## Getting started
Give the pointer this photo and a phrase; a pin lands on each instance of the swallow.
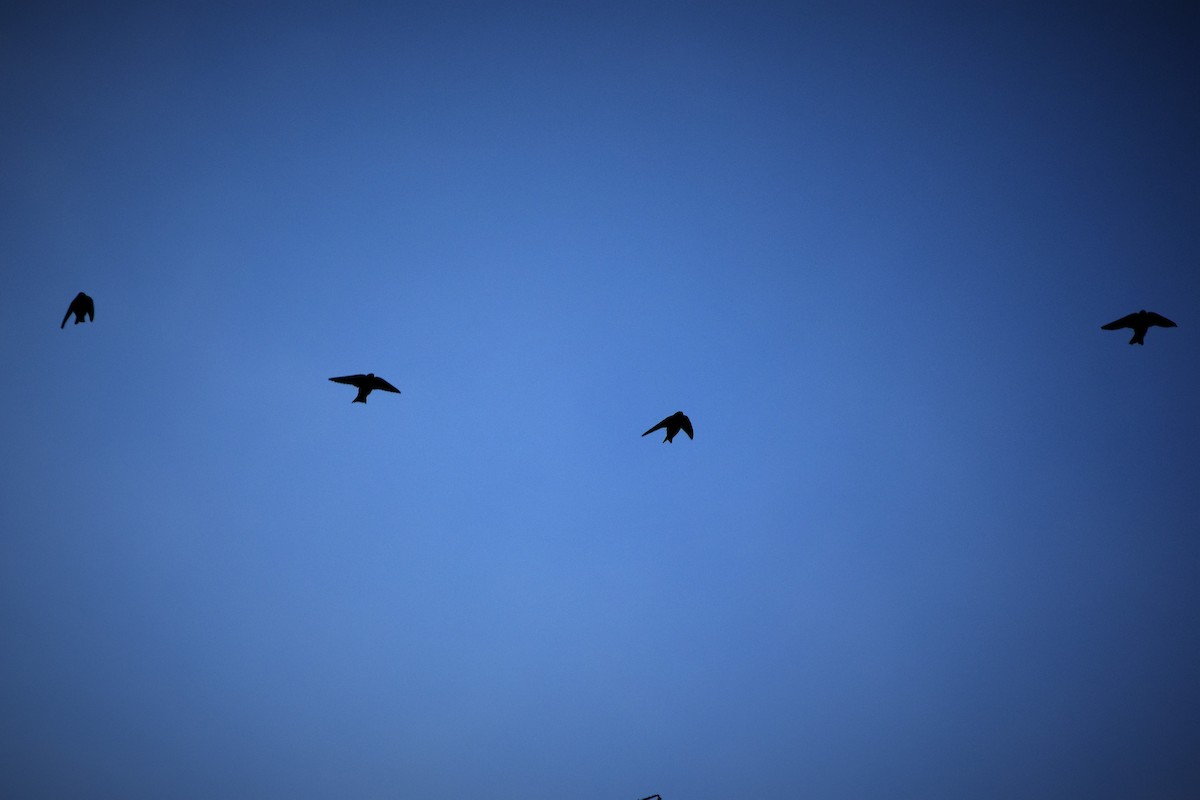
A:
(674, 423)
(81, 306)
(365, 383)
(1140, 322)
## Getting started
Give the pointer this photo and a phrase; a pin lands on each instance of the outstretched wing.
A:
(353, 380)
(662, 424)
(380, 383)
(1126, 321)
(686, 424)
(88, 306)
(75, 307)
(1159, 320)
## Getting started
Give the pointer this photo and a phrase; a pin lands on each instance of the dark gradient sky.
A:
(938, 535)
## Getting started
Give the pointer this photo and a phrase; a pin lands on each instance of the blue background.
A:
(936, 537)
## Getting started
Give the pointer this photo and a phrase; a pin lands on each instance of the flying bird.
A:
(81, 306)
(674, 423)
(365, 383)
(1140, 322)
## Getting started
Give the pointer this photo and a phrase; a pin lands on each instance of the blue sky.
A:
(936, 537)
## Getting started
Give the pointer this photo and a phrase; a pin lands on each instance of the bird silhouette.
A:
(674, 423)
(1140, 322)
(82, 305)
(365, 383)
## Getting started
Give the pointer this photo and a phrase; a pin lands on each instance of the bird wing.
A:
(70, 311)
(662, 424)
(686, 424)
(380, 383)
(353, 380)
(1126, 321)
(1159, 320)
(89, 307)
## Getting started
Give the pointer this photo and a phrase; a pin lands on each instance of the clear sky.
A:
(938, 535)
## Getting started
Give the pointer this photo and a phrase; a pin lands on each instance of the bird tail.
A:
(1138, 338)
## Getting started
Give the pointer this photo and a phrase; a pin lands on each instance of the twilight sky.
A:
(938, 535)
